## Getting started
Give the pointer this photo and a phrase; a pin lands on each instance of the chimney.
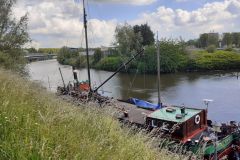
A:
(183, 111)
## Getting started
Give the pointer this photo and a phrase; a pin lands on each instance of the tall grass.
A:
(35, 124)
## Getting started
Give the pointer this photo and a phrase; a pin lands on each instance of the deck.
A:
(135, 115)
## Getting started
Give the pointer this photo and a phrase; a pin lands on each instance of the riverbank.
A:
(172, 60)
(35, 124)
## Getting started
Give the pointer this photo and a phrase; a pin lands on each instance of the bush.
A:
(66, 56)
(13, 60)
(97, 56)
(109, 63)
(211, 49)
(229, 49)
(220, 60)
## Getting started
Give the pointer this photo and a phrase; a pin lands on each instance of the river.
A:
(182, 88)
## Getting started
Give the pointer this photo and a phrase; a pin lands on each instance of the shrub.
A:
(220, 60)
(229, 49)
(97, 56)
(109, 63)
(211, 49)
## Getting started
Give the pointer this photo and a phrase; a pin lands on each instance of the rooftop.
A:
(163, 114)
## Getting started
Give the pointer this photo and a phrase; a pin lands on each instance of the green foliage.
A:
(229, 49)
(109, 63)
(211, 49)
(227, 39)
(172, 53)
(220, 60)
(236, 39)
(36, 125)
(32, 50)
(49, 50)
(127, 40)
(13, 60)
(80, 61)
(194, 42)
(67, 56)
(213, 39)
(173, 58)
(13, 35)
(97, 56)
(208, 39)
(203, 40)
(145, 32)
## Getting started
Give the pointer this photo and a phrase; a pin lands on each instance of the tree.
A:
(227, 39)
(13, 35)
(203, 40)
(172, 57)
(66, 55)
(192, 42)
(146, 33)
(211, 48)
(32, 50)
(127, 40)
(97, 55)
(236, 39)
(212, 39)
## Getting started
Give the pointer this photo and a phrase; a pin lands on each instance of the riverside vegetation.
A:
(37, 125)
(175, 57)
(175, 54)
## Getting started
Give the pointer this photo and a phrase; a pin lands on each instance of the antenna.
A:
(206, 102)
(158, 61)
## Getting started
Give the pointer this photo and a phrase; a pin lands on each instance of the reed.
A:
(34, 124)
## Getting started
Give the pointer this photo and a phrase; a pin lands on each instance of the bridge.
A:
(40, 57)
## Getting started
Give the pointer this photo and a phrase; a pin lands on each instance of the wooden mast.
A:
(86, 38)
(158, 61)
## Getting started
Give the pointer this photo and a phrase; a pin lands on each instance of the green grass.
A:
(36, 125)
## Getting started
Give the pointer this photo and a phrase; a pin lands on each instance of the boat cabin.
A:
(180, 122)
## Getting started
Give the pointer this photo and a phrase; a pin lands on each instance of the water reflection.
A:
(181, 88)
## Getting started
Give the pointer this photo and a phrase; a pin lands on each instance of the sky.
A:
(57, 23)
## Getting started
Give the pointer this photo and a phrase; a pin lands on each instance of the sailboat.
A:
(145, 104)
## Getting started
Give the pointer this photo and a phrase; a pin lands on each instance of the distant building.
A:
(90, 52)
(108, 50)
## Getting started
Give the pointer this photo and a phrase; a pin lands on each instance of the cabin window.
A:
(154, 123)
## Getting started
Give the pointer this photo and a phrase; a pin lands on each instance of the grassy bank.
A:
(36, 125)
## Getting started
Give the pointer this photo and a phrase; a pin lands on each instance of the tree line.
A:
(226, 39)
(174, 53)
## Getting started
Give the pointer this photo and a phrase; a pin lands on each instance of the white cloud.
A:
(218, 16)
(132, 2)
(57, 23)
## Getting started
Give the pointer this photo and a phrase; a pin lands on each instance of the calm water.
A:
(178, 89)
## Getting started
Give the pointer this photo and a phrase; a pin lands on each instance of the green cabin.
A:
(183, 123)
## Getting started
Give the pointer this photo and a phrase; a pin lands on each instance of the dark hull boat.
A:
(190, 127)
